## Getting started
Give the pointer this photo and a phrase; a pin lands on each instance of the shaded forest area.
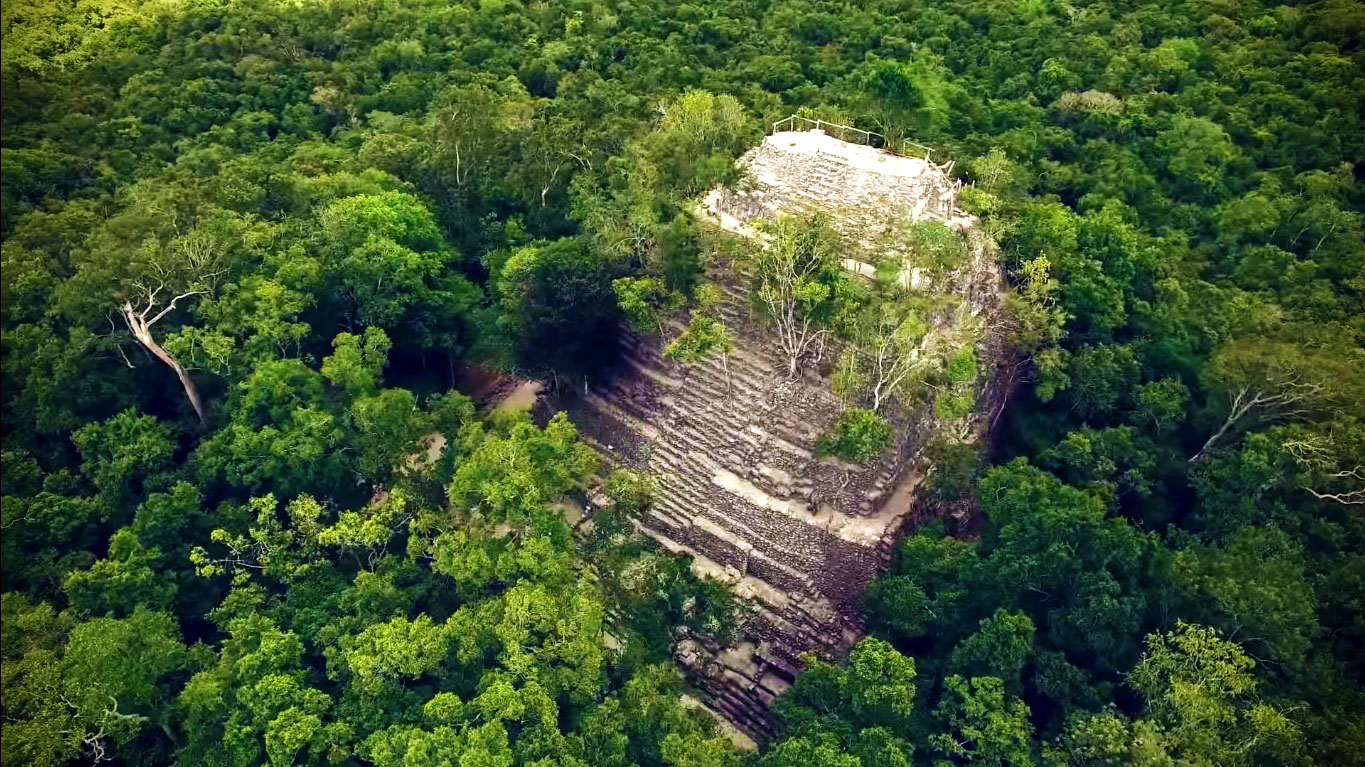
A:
(245, 244)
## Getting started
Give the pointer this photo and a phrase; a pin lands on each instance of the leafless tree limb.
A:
(1287, 400)
(141, 327)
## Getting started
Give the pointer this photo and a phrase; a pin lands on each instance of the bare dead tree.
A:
(1287, 398)
(795, 328)
(95, 741)
(201, 255)
(1353, 497)
(137, 313)
(1315, 452)
(190, 265)
(894, 358)
(788, 289)
(560, 160)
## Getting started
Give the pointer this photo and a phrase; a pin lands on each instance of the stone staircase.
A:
(732, 444)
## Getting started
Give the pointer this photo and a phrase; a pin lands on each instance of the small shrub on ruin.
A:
(859, 435)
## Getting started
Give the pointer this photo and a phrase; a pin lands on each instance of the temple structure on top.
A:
(733, 442)
(863, 187)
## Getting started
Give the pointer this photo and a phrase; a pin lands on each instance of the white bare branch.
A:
(783, 271)
(1353, 497)
(140, 327)
(171, 306)
(1289, 399)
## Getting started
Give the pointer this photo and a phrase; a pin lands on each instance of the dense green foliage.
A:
(857, 435)
(245, 243)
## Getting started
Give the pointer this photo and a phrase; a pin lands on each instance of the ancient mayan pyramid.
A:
(742, 490)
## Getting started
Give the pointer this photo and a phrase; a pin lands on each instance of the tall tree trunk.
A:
(142, 332)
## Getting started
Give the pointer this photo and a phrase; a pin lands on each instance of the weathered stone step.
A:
(774, 547)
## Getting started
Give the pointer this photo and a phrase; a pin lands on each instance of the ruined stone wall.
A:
(733, 441)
